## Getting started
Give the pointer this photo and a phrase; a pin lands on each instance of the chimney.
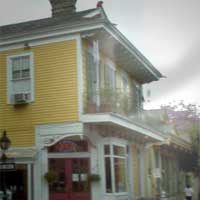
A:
(63, 7)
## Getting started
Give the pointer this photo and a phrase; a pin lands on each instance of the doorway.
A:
(15, 182)
(71, 179)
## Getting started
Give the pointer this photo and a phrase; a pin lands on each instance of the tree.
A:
(186, 118)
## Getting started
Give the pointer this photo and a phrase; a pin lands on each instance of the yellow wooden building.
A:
(71, 103)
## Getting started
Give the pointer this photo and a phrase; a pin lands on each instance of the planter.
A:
(94, 178)
(50, 177)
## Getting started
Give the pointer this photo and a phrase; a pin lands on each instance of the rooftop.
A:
(74, 20)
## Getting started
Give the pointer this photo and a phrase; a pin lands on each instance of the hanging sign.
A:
(7, 167)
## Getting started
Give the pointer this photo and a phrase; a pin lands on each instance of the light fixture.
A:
(4, 141)
(26, 45)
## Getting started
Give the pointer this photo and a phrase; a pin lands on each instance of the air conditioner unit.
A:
(21, 98)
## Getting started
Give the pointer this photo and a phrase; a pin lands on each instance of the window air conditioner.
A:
(21, 98)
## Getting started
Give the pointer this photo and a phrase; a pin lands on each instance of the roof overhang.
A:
(128, 59)
(113, 44)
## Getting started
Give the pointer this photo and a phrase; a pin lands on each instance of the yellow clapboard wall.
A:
(56, 92)
(136, 181)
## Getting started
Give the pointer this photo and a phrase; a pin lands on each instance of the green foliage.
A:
(94, 178)
(50, 176)
(187, 121)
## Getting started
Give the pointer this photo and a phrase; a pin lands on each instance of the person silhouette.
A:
(188, 192)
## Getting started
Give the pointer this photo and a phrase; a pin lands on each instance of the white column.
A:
(41, 167)
(95, 193)
(29, 181)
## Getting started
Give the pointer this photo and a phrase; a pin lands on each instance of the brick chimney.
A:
(63, 7)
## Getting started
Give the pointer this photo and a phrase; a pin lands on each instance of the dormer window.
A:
(20, 78)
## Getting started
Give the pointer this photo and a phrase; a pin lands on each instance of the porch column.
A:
(41, 191)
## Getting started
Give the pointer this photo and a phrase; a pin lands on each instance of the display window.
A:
(115, 164)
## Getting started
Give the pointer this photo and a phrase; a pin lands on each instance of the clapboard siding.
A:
(135, 170)
(56, 90)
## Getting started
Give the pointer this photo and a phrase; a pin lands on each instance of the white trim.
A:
(80, 74)
(29, 181)
(102, 118)
(9, 75)
(111, 143)
(69, 155)
(39, 41)
(93, 14)
(49, 134)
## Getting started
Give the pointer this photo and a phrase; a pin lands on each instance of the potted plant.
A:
(50, 176)
(94, 178)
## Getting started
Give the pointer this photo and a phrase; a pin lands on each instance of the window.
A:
(20, 77)
(115, 159)
(110, 76)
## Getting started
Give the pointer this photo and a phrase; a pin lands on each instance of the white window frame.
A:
(9, 76)
(112, 156)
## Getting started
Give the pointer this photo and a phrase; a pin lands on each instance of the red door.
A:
(72, 179)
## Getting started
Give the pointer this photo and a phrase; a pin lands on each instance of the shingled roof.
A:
(76, 19)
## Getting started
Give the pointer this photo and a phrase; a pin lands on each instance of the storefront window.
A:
(120, 174)
(115, 168)
(108, 175)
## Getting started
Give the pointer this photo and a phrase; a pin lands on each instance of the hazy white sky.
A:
(166, 32)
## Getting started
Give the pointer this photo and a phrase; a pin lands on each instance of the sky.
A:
(165, 31)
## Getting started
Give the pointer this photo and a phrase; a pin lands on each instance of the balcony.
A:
(108, 101)
(120, 108)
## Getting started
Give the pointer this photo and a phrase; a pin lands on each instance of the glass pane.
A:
(57, 166)
(26, 73)
(80, 169)
(120, 175)
(84, 169)
(25, 62)
(119, 151)
(106, 149)
(108, 175)
(21, 67)
(15, 64)
(16, 75)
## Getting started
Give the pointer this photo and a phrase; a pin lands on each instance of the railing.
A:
(106, 100)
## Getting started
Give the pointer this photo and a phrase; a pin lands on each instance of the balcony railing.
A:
(106, 100)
